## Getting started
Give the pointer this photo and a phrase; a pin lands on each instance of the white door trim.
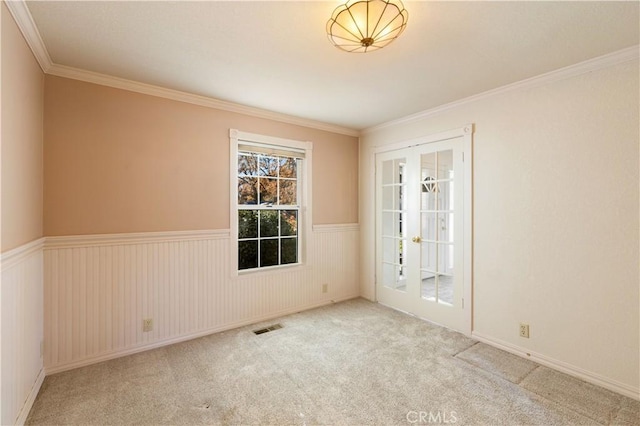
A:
(466, 132)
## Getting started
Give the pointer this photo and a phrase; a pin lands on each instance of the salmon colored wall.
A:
(22, 98)
(118, 161)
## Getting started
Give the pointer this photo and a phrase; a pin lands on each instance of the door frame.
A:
(466, 133)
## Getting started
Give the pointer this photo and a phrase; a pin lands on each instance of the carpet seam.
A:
(528, 374)
(564, 405)
(533, 392)
(490, 372)
(465, 349)
(487, 371)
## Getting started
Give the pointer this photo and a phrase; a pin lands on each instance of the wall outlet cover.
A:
(524, 330)
(147, 324)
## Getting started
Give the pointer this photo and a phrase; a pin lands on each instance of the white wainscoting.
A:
(98, 289)
(21, 319)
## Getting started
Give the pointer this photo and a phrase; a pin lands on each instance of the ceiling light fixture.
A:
(362, 26)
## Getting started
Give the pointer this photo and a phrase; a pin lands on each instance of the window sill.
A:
(271, 270)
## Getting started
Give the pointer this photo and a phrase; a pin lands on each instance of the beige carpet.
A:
(350, 363)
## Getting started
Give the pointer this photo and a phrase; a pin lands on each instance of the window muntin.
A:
(268, 209)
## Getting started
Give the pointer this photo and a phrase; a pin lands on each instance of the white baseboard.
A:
(561, 366)
(183, 338)
(26, 408)
(179, 279)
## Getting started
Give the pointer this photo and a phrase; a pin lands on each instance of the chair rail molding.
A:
(100, 288)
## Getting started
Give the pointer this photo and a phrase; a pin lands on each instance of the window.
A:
(267, 209)
(269, 179)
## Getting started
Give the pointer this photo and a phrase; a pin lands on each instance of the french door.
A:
(420, 226)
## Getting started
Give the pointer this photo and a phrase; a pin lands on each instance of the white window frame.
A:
(304, 174)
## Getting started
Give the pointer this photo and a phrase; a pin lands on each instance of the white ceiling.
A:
(276, 56)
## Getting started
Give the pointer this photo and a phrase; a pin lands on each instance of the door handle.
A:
(416, 239)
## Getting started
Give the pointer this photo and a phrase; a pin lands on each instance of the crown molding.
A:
(590, 65)
(24, 20)
(177, 95)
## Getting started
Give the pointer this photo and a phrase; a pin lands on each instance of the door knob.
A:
(416, 239)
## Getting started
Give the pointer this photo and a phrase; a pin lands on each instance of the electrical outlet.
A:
(524, 330)
(325, 288)
(147, 324)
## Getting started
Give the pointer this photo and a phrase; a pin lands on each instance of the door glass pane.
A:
(393, 185)
(445, 258)
(445, 163)
(428, 198)
(387, 172)
(445, 227)
(428, 285)
(428, 256)
(445, 195)
(392, 250)
(445, 289)
(429, 226)
(392, 171)
(393, 192)
(392, 277)
(428, 167)
(392, 197)
(437, 287)
(392, 224)
(428, 184)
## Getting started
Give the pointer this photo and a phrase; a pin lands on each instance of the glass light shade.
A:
(362, 26)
